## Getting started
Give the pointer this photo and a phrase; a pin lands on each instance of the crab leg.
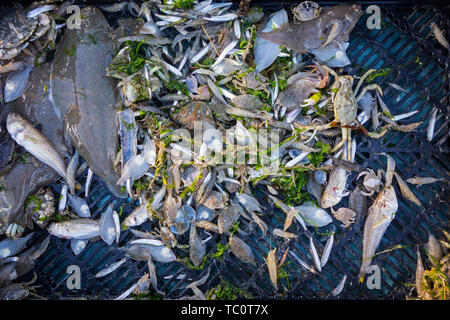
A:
(346, 137)
(367, 88)
(363, 77)
(330, 125)
(335, 30)
(349, 143)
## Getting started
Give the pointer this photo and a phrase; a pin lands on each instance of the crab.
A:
(345, 215)
(302, 89)
(17, 31)
(372, 181)
(42, 207)
(306, 10)
(345, 105)
(249, 81)
(166, 236)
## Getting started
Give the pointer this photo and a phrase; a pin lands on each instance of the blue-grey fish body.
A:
(128, 135)
(79, 206)
(81, 229)
(71, 170)
(16, 83)
(78, 245)
(107, 225)
(10, 247)
(85, 98)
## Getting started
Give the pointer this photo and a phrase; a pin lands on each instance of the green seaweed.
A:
(35, 200)
(291, 186)
(174, 86)
(181, 4)
(381, 73)
(316, 158)
(227, 291)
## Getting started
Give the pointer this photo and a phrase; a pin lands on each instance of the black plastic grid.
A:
(404, 36)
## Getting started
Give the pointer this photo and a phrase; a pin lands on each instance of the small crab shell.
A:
(371, 181)
(167, 237)
(306, 10)
(345, 215)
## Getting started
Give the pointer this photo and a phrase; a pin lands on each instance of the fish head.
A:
(58, 230)
(388, 199)
(16, 126)
(331, 197)
(352, 12)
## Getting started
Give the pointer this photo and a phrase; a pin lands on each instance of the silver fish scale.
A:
(414, 155)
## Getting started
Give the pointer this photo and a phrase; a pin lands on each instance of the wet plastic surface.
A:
(419, 64)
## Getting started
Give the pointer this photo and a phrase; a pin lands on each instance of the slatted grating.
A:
(419, 65)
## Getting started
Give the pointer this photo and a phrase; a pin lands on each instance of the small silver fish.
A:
(81, 229)
(152, 274)
(79, 206)
(108, 225)
(327, 250)
(320, 176)
(420, 271)
(406, 192)
(425, 180)
(35, 143)
(396, 86)
(110, 268)
(127, 292)
(302, 263)
(134, 169)
(137, 217)
(37, 11)
(222, 18)
(116, 221)
(314, 254)
(63, 202)
(71, 170)
(284, 234)
(404, 115)
(430, 129)
(78, 246)
(224, 53)
(90, 174)
(340, 286)
(16, 83)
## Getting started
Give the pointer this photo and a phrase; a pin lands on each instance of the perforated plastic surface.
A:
(419, 65)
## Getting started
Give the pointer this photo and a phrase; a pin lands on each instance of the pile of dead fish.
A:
(122, 103)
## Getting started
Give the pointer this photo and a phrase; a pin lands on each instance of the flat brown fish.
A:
(310, 35)
(85, 97)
